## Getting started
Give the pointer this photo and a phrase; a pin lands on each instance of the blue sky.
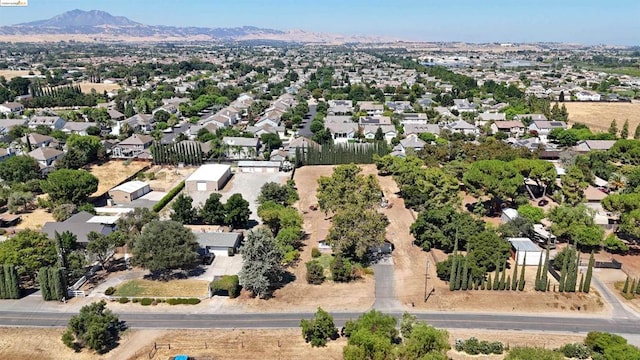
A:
(585, 21)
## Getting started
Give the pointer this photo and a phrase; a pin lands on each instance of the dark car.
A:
(543, 202)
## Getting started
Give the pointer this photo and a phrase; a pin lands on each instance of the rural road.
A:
(292, 320)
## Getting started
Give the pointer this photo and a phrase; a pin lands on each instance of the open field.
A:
(173, 288)
(167, 177)
(298, 295)
(100, 88)
(9, 74)
(38, 343)
(598, 116)
(113, 173)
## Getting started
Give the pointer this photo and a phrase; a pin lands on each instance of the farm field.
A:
(38, 343)
(598, 116)
(113, 173)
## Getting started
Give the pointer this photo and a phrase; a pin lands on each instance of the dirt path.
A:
(134, 343)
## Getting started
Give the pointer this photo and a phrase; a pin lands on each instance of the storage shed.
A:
(209, 177)
(249, 166)
(129, 191)
(524, 248)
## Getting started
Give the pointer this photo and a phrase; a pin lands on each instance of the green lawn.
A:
(173, 288)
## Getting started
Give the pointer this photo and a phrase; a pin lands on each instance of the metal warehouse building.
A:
(129, 191)
(523, 249)
(209, 177)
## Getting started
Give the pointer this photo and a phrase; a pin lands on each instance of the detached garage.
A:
(523, 249)
(249, 166)
(129, 191)
(219, 243)
(209, 177)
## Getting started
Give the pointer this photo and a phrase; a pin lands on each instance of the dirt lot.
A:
(298, 295)
(167, 177)
(113, 173)
(598, 116)
(9, 74)
(411, 261)
(100, 88)
(37, 343)
(35, 219)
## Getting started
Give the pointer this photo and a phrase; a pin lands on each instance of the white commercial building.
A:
(209, 177)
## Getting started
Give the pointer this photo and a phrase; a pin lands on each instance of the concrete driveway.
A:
(222, 265)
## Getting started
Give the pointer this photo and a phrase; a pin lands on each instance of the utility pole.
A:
(426, 278)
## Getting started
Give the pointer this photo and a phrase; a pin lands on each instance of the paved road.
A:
(292, 320)
(305, 130)
(618, 309)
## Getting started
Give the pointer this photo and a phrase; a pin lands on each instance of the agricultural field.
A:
(114, 172)
(598, 116)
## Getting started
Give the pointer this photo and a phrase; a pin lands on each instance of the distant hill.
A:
(96, 25)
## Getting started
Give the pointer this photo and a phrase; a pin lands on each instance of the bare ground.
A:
(114, 172)
(100, 88)
(167, 177)
(598, 116)
(34, 219)
(10, 74)
(298, 295)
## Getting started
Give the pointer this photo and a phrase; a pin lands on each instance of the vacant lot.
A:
(9, 74)
(35, 219)
(114, 172)
(298, 295)
(100, 88)
(173, 288)
(166, 178)
(598, 116)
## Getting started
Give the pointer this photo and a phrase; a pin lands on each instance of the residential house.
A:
(241, 147)
(371, 108)
(37, 140)
(6, 125)
(171, 134)
(421, 128)
(487, 117)
(388, 130)
(80, 225)
(462, 127)
(411, 143)
(6, 153)
(278, 155)
(14, 108)
(79, 128)
(591, 145)
(588, 96)
(542, 128)
(414, 118)
(115, 115)
(530, 117)
(444, 112)
(342, 128)
(132, 146)
(374, 120)
(46, 157)
(340, 107)
(513, 128)
(299, 143)
(266, 129)
(399, 106)
(463, 105)
(53, 122)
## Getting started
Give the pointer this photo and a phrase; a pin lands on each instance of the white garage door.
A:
(218, 253)
(201, 186)
(271, 170)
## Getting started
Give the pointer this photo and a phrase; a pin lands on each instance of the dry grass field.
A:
(9, 74)
(34, 219)
(167, 177)
(598, 116)
(100, 88)
(258, 344)
(173, 288)
(113, 173)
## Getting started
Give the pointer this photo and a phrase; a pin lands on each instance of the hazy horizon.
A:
(587, 22)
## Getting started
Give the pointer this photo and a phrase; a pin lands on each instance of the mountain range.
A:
(96, 25)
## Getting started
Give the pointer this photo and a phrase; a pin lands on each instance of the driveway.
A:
(222, 265)
(385, 292)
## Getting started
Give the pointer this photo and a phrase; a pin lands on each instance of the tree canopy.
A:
(29, 250)
(236, 211)
(19, 169)
(261, 266)
(70, 186)
(355, 231)
(440, 228)
(347, 186)
(95, 327)
(497, 178)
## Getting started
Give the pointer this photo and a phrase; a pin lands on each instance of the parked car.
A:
(543, 202)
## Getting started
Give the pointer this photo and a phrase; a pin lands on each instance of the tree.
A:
(28, 250)
(371, 336)
(52, 282)
(315, 272)
(613, 128)
(624, 133)
(133, 222)
(164, 246)
(95, 327)
(541, 171)
(281, 194)
(71, 186)
(236, 211)
(573, 186)
(101, 245)
(183, 211)
(20, 201)
(271, 141)
(347, 186)
(319, 329)
(379, 135)
(340, 269)
(575, 224)
(532, 213)
(261, 267)
(497, 178)
(161, 116)
(636, 134)
(424, 341)
(432, 188)
(355, 231)
(440, 227)
(89, 145)
(19, 169)
(19, 85)
(74, 158)
(212, 212)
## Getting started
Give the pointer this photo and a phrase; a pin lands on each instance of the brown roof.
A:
(137, 139)
(43, 154)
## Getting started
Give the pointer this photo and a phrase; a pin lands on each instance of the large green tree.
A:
(347, 186)
(575, 224)
(164, 246)
(236, 211)
(541, 171)
(573, 186)
(496, 178)
(19, 169)
(95, 327)
(70, 186)
(261, 266)
(355, 231)
(29, 250)
(371, 336)
(212, 212)
(440, 228)
(319, 329)
(183, 210)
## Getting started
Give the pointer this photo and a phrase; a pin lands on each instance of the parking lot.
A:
(246, 184)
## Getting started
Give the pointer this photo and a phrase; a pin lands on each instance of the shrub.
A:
(167, 198)
(110, 290)
(227, 285)
(315, 253)
(146, 301)
(530, 353)
(123, 300)
(231, 251)
(472, 346)
(183, 301)
(340, 269)
(576, 351)
(315, 272)
(69, 340)
(135, 300)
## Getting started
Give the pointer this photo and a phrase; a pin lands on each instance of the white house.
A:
(543, 128)
(11, 108)
(53, 122)
(588, 96)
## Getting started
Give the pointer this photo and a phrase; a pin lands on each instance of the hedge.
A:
(146, 301)
(183, 301)
(228, 285)
(123, 300)
(167, 198)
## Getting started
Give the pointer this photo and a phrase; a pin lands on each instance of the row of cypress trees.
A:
(336, 154)
(632, 287)
(53, 284)
(9, 282)
(569, 274)
(173, 154)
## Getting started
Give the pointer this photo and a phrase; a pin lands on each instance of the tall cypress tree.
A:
(538, 285)
(454, 268)
(496, 278)
(43, 280)
(508, 283)
(489, 285)
(587, 279)
(3, 287)
(545, 271)
(465, 273)
(11, 282)
(514, 278)
(521, 283)
(581, 281)
(625, 288)
(503, 277)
